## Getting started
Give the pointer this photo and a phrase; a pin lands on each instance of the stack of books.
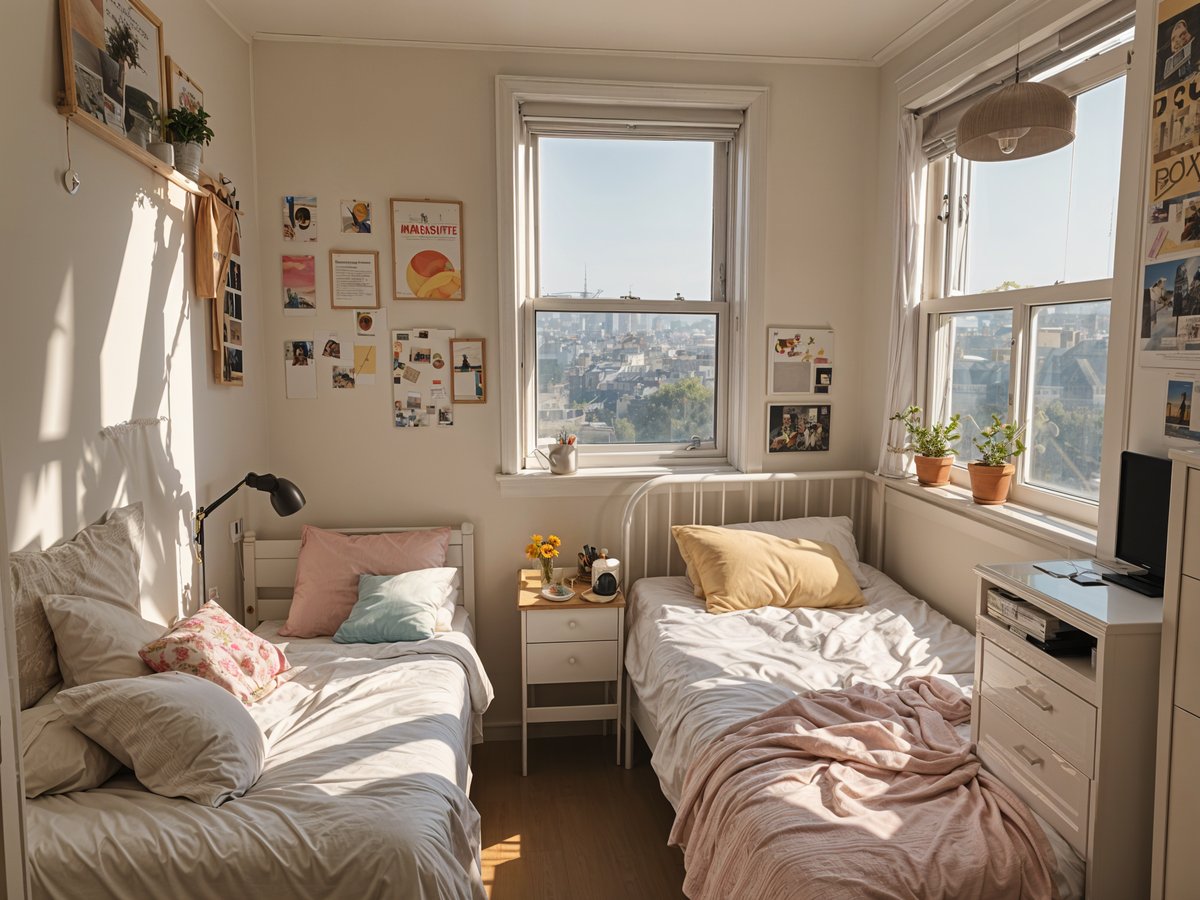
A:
(1046, 632)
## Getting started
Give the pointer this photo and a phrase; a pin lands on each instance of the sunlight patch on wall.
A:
(60, 350)
(39, 521)
(121, 352)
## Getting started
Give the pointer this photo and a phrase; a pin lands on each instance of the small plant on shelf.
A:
(998, 444)
(544, 551)
(930, 444)
(190, 132)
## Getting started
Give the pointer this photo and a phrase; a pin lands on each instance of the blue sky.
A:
(637, 213)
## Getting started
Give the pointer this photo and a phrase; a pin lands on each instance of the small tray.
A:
(557, 592)
(592, 597)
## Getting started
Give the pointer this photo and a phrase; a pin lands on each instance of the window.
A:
(1018, 287)
(637, 226)
(626, 267)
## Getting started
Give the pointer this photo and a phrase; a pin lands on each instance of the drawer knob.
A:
(1028, 755)
(1034, 697)
(571, 623)
(571, 660)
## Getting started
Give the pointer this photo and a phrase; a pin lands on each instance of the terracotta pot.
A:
(989, 484)
(933, 470)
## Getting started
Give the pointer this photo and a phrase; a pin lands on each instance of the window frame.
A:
(518, 208)
(947, 196)
(640, 454)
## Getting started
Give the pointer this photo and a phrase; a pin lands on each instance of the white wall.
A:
(98, 323)
(373, 122)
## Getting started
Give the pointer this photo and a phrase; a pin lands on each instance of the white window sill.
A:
(592, 482)
(1011, 517)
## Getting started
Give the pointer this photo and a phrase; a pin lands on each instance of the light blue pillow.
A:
(394, 608)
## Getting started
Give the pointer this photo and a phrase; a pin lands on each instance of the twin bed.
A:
(364, 792)
(691, 676)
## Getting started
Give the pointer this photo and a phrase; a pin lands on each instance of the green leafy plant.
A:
(123, 45)
(188, 127)
(934, 440)
(1001, 441)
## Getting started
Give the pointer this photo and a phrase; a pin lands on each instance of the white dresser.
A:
(1075, 741)
(1177, 788)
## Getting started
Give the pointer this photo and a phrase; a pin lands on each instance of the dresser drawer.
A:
(1183, 808)
(1191, 525)
(571, 661)
(1187, 645)
(1045, 780)
(1046, 708)
(549, 625)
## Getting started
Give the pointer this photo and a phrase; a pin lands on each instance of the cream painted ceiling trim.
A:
(577, 51)
(942, 14)
(228, 21)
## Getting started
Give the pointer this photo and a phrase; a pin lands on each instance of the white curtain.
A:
(900, 387)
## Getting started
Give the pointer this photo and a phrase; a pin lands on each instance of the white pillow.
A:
(97, 639)
(835, 530)
(445, 613)
(183, 736)
(56, 757)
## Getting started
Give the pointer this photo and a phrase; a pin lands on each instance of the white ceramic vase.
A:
(187, 159)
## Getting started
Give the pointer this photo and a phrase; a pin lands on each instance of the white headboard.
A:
(721, 499)
(269, 570)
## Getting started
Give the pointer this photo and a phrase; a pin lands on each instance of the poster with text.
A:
(427, 249)
(799, 360)
(1174, 117)
(421, 377)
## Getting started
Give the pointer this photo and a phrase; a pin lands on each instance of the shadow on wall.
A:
(117, 345)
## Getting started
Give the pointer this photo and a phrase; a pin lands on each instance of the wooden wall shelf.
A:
(129, 148)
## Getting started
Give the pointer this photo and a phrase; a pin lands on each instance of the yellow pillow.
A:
(749, 569)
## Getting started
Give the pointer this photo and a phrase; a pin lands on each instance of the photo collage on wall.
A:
(421, 378)
(228, 345)
(799, 366)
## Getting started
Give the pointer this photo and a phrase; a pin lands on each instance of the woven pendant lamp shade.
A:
(1028, 118)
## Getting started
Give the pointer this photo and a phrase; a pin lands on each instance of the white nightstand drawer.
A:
(548, 625)
(1046, 708)
(573, 661)
(1045, 780)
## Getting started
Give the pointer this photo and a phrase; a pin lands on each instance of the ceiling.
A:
(863, 31)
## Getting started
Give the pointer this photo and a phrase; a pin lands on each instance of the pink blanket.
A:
(856, 794)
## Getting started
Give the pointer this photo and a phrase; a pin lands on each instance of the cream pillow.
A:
(97, 639)
(56, 757)
(747, 569)
(183, 736)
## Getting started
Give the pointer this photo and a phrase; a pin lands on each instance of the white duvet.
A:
(697, 673)
(364, 794)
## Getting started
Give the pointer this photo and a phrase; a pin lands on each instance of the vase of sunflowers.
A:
(544, 551)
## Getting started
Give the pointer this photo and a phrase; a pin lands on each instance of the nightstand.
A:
(569, 642)
(1075, 739)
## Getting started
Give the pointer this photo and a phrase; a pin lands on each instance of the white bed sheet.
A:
(364, 794)
(696, 674)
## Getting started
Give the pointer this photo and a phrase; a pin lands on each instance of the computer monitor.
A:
(1142, 511)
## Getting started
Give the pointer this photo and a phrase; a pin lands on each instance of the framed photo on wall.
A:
(182, 90)
(468, 383)
(799, 360)
(113, 67)
(354, 279)
(427, 249)
(798, 427)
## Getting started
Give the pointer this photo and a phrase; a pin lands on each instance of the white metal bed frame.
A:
(705, 500)
(269, 569)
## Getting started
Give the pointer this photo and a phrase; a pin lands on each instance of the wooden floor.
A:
(577, 826)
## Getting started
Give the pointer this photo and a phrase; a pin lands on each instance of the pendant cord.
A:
(69, 166)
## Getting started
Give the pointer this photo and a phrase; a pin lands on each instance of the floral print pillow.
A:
(213, 646)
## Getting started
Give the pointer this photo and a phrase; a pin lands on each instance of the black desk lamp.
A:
(286, 499)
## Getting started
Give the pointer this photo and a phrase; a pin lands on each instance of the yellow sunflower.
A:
(548, 552)
(554, 540)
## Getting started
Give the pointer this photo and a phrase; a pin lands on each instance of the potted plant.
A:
(189, 133)
(123, 53)
(991, 475)
(934, 455)
(161, 147)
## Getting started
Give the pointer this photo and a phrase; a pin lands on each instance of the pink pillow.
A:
(329, 565)
(211, 645)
